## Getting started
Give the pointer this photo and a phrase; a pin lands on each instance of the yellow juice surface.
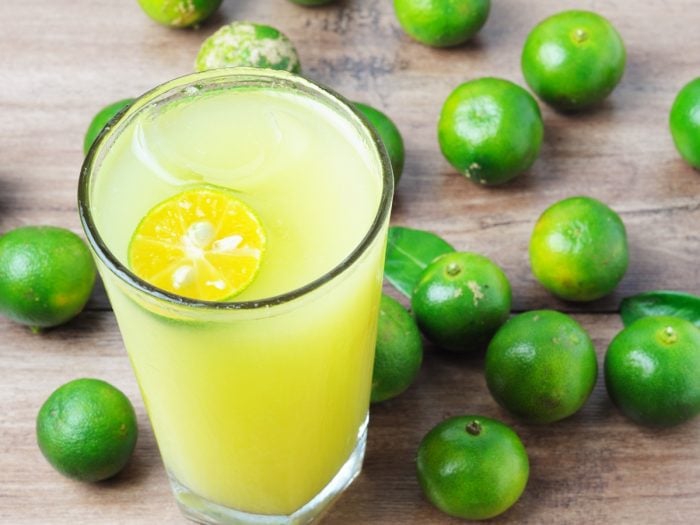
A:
(256, 410)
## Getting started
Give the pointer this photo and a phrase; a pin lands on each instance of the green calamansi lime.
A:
(460, 301)
(442, 23)
(685, 123)
(472, 467)
(390, 135)
(578, 249)
(46, 275)
(573, 60)
(87, 430)
(490, 130)
(652, 371)
(541, 366)
(249, 45)
(100, 120)
(399, 351)
(179, 13)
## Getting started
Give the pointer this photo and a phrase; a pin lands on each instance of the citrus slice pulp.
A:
(203, 244)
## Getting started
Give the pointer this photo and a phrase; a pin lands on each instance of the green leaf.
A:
(408, 252)
(662, 302)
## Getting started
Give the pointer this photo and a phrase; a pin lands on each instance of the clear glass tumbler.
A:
(259, 405)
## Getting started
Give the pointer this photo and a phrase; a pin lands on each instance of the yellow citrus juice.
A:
(253, 408)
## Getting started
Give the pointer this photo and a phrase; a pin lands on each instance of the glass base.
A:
(201, 510)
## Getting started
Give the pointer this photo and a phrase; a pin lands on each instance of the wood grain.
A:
(62, 61)
(595, 467)
(592, 468)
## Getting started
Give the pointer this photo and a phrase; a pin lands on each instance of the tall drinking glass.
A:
(259, 405)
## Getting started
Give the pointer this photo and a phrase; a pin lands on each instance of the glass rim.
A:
(337, 102)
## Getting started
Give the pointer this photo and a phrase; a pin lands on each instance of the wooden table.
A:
(60, 61)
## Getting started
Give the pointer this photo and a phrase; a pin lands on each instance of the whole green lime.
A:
(652, 371)
(390, 135)
(685, 122)
(46, 275)
(100, 120)
(179, 13)
(460, 301)
(87, 430)
(541, 366)
(442, 23)
(490, 130)
(399, 351)
(472, 467)
(578, 249)
(573, 60)
(249, 45)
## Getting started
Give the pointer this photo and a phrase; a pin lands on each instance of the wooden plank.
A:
(595, 467)
(30, 491)
(55, 80)
(61, 61)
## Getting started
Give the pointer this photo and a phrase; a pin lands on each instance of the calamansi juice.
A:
(259, 402)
